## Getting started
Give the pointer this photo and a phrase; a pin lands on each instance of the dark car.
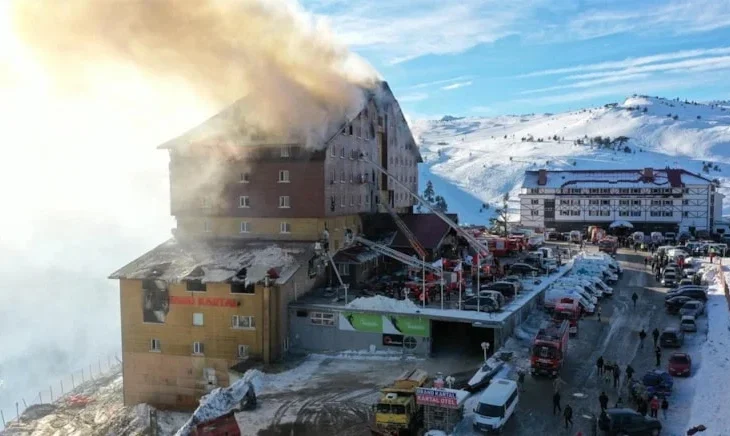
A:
(627, 422)
(522, 269)
(483, 304)
(658, 383)
(694, 293)
(671, 338)
(507, 289)
(680, 364)
(675, 303)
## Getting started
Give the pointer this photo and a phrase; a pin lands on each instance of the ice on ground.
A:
(382, 303)
(710, 408)
(370, 354)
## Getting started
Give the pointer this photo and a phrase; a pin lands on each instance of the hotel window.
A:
(605, 191)
(243, 322)
(198, 348)
(349, 129)
(623, 213)
(333, 176)
(656, 202)
(342, 201)
(343, 269)
(352, 200)
(285, 151)
(342, 176)
(155, 345)
(605, 202)
(284, 227)
(635, 213)
(668, 203)
(367, 199)
(245, 227)
(685, 202)
(342, 153)
(623, 202)
(593, 202)
(535, 212)
(534, 191)
(284, 176)
(534, 201)
(333, 149)
(593, 191)
(206, 226)
(656, 191)
(655, 213)
(244, 201)
(636, 191)
(623, 191)
(284, 202)
(636, 202)
(244, 178)
(321, 318)
(242, 351)
(198, 319)
(668, 213)
(685, 214)
(575, 213)
(195, 286)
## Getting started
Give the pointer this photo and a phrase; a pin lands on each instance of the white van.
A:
(496, 405)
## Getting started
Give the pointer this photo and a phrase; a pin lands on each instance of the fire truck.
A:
(549, 349)
(569, 310)
(608, 245)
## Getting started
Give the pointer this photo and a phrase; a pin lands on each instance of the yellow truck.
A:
(396, 412)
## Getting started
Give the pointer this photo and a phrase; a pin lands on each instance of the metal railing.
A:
(60, 390)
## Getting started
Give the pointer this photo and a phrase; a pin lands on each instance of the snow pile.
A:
(371, 354)
(222, 400)
(474, 161)
(382, 303)
(710, 408)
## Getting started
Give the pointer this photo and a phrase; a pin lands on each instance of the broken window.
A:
(195, 286)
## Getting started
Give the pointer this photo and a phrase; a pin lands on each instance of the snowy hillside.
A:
(486, 157)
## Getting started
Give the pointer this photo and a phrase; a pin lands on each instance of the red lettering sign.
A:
(204, 301)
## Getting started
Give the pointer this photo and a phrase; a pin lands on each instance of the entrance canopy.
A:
(621, 224)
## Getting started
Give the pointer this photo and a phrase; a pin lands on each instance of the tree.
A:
(440, 204)
(620, 140)
(428, 193)
(501, 218)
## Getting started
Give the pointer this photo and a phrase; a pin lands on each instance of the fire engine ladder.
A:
(397, 255)
(473, 242)
(334, 268)
(406, 231)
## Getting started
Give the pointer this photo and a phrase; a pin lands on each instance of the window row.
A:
(283, 177)
(198, 348)
(244, 202)
(354, 199)
(284, 227)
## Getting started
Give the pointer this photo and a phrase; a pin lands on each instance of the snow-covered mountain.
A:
(473, 161)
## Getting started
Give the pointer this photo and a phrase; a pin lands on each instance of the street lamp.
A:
(485, 348)
(450, 381)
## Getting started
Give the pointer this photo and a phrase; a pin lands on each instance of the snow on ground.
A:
(386, 304)
(472, 161)
(710, 408)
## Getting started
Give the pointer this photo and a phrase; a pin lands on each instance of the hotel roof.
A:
(636, 178)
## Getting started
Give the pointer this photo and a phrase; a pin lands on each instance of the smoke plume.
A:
(294, 80)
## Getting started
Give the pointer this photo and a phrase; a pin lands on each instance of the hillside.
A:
(475, 160)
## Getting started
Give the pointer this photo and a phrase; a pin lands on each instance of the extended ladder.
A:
(417, 247)
(397, 255)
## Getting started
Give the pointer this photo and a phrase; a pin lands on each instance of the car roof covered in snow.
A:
(218, 261)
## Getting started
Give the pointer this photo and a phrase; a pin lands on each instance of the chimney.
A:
(542, 177)
(648, 174)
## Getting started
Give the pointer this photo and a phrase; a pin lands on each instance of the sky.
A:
(492, 57)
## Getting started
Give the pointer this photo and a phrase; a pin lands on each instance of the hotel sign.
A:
(204, 301)
(437, 397)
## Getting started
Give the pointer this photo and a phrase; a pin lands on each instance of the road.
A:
(616, 338)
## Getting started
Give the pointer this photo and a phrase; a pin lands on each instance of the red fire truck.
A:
(608, 245)
(549, 349)
(569, 310)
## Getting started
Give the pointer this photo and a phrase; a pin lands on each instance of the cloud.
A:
(456, 85)
(414, 97)
(587, 83)
(702, 64)
(438, 82)
(631, 62)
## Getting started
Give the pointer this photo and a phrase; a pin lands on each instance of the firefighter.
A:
(603, 400)
(655, 335)
(629, 372)
(642, 336)
(568, 414)
(556, 402)
(634, 298)
(616, 375)
(599, 365)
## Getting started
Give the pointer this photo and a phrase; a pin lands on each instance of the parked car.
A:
(627, 421)
(675, 303)
(688, 323)
(694, 293)
(693, 307)
(508, 289)
(671, 337)
(522, 269)
(680, 364)
(669, 279)
(485, 304)
(658, 383)
(685, 282)
(514, 279)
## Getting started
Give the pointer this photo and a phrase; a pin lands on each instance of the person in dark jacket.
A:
(634, 298)
(568, 414)
(665, 406)
(603, 400)
(599, 365)
(629, 372)
(616, 374)
(642, 336)
(655, 335)
(658, 353)
(556, 402)
(642, 407)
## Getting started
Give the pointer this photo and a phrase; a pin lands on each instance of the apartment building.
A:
(668, 199)
(203, 305)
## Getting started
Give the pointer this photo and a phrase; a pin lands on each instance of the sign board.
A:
(403, 325)
(361, 322)
(392, 340)
(437, 397)
(204, 301)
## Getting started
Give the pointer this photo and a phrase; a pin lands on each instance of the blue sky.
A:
(490, 57)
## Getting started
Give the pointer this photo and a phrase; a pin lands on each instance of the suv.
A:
(522, 269)
(627, 421)
(508, 289)
(693, 293)
(671, 337)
